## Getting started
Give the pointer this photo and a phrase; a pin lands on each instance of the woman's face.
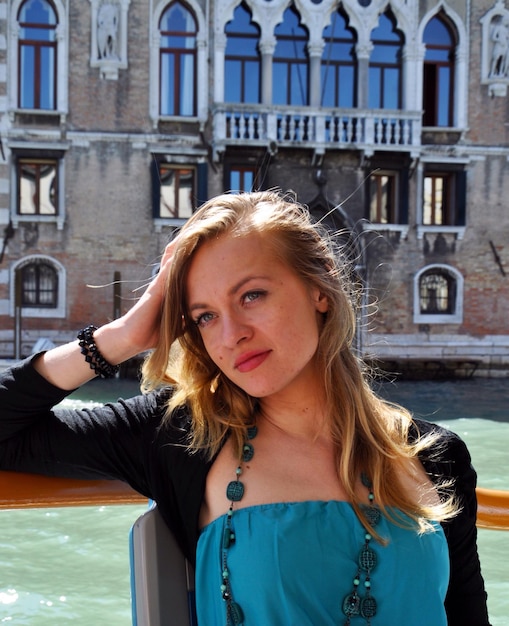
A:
(259, 321)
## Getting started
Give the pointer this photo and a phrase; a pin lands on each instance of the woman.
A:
(301, 497)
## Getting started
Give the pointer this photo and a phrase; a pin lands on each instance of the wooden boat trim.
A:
(25, 491)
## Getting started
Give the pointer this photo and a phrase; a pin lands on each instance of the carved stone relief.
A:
(495, 49)
(109, 36)
(107, 31)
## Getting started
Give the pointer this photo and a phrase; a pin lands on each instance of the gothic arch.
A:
(201, 45)
(460, 84)
(62, 57)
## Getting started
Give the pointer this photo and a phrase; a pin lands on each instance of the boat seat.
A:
(162, 580)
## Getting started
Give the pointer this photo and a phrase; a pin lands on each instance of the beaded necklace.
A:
(354, 604)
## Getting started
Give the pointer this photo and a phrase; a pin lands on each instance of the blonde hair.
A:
(370, 434)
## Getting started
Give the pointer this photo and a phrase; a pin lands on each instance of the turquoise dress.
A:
(293, 563)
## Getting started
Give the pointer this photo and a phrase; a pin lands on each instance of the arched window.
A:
(242, 58)
(291, 61)
(438, 295)
(339, 64)
(385, 65)
(37, 55)
(438, 75)
(39, 285)
(177, 80)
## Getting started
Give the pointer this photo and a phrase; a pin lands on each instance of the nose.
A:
(235, 330)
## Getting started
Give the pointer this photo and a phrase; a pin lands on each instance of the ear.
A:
(320, 301)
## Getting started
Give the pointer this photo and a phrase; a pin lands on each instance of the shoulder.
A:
(447, 454)
(447, 461)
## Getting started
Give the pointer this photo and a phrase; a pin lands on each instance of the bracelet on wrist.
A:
(92, 355)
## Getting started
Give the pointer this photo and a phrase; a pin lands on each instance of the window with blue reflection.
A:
(242, 179)
(242, 58)
(438, 74)
(339, 64)
(290, 62)
(385, 65)
(37, 58)
(177, 61)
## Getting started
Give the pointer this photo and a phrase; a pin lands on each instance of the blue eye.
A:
(203, 319)
(251, 296)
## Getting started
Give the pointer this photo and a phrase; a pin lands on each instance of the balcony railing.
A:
(319, 129)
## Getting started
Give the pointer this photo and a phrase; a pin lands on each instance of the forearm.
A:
(66, 366)
(133, 333)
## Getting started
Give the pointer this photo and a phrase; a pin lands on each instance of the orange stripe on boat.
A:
(493, 509)
(21, 491)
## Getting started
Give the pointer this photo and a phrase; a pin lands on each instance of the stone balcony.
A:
(316, 129)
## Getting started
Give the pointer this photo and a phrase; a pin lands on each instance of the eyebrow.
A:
(232, 291)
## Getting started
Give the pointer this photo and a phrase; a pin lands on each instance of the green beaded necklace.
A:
(354, 604)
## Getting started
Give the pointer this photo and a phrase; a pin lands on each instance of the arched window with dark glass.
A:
(438, 74)
(242, 58)
(437, 293)
(37, 55)
(39, 285)
(339, 64)
(178, 30)
(385, 64)
(290, 68)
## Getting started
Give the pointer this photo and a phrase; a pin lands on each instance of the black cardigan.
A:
(124, 440)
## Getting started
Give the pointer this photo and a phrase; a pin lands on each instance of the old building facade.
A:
(389, 118)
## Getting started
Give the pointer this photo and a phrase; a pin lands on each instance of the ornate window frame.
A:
(459, 115)
(48, 312)
(201, 64)
(456, 316)
(62, 37)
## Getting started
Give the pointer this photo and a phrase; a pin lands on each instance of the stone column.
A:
(219, 50)
(315, 51)
(267, 52)
(363, 52)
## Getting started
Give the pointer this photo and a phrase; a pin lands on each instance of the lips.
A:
(250, 360)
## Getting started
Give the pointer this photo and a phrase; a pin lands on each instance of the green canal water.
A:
(71, 565)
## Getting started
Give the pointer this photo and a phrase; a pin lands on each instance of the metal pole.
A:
(17, 314)
(117, 295)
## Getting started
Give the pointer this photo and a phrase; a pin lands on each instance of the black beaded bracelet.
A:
(93, 357)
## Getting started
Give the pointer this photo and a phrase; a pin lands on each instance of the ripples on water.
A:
(478, 411)
(71, 565)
